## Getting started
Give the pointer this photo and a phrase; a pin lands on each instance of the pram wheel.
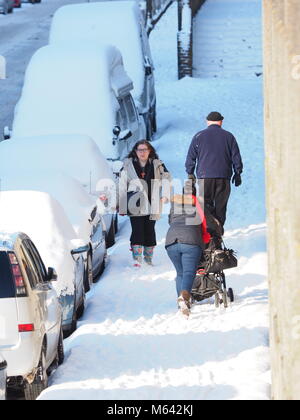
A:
(230, 295)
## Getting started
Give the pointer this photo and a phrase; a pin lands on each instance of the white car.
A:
(31, 337)
(75, 155)
(76, 88)
(3, 378)
(118, 23)
(79, 206)
(43, 219)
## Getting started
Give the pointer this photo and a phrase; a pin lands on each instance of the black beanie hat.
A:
(214, 116)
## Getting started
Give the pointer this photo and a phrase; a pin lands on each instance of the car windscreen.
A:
(7, 287)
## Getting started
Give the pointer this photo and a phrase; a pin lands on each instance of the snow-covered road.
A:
(21, 34)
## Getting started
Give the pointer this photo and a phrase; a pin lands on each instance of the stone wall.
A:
(282, 146)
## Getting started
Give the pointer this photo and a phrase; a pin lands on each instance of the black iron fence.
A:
(153, 10)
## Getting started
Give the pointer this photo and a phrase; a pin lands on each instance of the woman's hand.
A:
(164, 200)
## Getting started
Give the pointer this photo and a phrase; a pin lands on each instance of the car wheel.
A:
(60, 349)
(73, 327)
(116, 223)
(149, 132)
(40, 382)
(88, 277)
(110, 238)
(154, 121)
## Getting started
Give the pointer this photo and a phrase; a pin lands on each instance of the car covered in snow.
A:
(6, 6)
(80, 208)
(75, 155)
(31, 337)
(43, 219)
(79, 89)
(3, 378)
(122, 24)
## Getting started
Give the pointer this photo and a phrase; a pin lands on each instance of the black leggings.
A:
(143, 231)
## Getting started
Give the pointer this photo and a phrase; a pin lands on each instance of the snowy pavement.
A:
(227, 39)
(131, 343)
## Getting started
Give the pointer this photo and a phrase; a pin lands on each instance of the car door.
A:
(48, 296)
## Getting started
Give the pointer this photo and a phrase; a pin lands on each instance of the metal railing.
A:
(187, 9)
(153, 10)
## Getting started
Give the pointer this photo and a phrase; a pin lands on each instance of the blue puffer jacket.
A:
(216, 153)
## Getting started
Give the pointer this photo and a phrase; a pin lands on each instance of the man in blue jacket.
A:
(215, 154)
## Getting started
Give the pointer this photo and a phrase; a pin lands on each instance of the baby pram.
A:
(210, 279)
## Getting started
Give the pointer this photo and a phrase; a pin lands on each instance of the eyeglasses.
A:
(142, 150)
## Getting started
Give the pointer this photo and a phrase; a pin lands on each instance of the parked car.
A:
(79, 206)
(31, 315)
(118, 23)
(79, 89)
(77, 156)
(6, 6)
(3, 378)
(44, 220)
(18, 3)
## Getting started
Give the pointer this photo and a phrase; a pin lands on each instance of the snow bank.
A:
(68, 90)
(44, 221)
(117, 23)
(76, 155)
(75, 201)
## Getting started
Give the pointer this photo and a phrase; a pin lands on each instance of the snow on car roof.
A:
(76, 155)
(114, 22)
(68, 90)
(76, 202)
(43, 219)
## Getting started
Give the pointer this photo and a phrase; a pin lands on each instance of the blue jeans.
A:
(186, 259)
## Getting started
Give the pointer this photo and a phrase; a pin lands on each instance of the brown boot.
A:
(184, 303)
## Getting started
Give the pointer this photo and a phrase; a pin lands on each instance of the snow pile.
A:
(43, 219)
(76, 155)
(59, 88)
(131, 344)
(117, 23)
(75, 201)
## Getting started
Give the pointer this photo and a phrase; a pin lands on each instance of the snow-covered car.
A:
(6, 6)
(118, 23)
(43, 219)
(31, 337)
(3, 378)
(75, 155)
(78, 205)
(79, 89)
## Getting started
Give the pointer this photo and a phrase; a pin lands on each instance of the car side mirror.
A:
(51, 275)
(124, 135)
(80, 250)
(6, 133)
(116, 131)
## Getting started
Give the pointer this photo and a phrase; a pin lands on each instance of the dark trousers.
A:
(186, 260)
(216, 196)
(143, 231)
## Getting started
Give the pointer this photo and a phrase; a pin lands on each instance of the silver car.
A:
(3, 366)
(6, 6)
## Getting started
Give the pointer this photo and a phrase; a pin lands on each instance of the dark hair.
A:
(153, 154)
